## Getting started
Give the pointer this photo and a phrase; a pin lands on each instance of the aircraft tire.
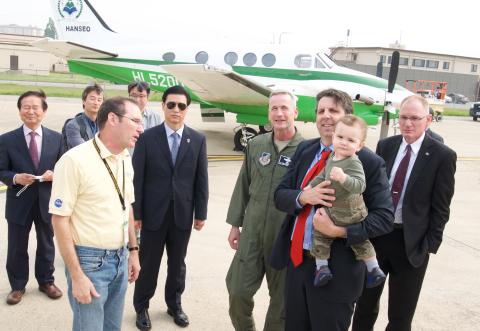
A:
(240, 140)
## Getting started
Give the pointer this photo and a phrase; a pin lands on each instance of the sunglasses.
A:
(173, 104)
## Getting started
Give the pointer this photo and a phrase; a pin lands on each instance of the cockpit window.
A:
(319, 63)
(249, 59)
(268, 60)
(303, 61)
(201, 57)
(230, 58)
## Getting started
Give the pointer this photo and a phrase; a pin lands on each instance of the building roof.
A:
(391, 49)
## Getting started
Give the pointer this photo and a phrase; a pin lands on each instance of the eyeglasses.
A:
(173, 104)
(413, 119)
(134, 120)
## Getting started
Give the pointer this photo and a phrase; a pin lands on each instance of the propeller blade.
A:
(392, 77)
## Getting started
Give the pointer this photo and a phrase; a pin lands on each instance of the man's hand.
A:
(234, 237)
(338, 175)
(198, 224)
(83, 289)
(133, 266)
(323, 224)
(138, 224)
(318, 195)
(24, 179)
(47, 176)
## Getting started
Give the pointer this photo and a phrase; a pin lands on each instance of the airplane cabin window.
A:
(169, 56)
(230, 58)
(268, 60)
(249, 59)
(201, 57)
(303, 61)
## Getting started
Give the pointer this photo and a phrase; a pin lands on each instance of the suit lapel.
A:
(306, 161)
(423, 157)
(391, 154)
(44, 152)
(163, 140)
(184, 144)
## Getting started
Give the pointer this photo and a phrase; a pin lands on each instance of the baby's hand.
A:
(338, 175)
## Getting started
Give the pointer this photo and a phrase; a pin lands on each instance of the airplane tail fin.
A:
(77, 21)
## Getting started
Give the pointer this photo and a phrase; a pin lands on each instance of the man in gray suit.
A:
(83, 126)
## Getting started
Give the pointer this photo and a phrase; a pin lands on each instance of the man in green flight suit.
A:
(255, 220)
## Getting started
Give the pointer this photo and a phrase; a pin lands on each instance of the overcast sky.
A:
(449, 27)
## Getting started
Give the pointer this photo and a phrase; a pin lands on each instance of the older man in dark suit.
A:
(171, 194)
(27, 157)
(421, 173)
(329, 307)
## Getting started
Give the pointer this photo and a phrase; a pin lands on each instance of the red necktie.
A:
(33, 149)
(399, 180)
(296, 250)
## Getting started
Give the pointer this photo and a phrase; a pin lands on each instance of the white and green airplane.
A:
(232, 78)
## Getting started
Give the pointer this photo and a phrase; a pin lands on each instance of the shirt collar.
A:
(89, 121)
(169, 130)
(105, 152)
(415, 145)
(323, 147)
(27, 130)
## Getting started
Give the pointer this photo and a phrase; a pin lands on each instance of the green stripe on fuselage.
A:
(160, 81)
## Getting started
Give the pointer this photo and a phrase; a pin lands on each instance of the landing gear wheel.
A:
(242, 136)
(475, 118)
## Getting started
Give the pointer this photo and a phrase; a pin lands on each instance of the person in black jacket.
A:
(421, 193)
(329, 307)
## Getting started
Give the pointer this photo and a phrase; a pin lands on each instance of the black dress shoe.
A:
(179, 317)
(143, 320)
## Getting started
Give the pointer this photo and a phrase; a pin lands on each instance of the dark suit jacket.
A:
(434, 135)
(157, 181)
(429, 191)
(347, 284)
(15, 158)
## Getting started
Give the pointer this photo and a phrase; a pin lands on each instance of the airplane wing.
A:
(219, 85)
(71, 50)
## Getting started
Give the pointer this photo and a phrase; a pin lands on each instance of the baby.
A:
(345, 171)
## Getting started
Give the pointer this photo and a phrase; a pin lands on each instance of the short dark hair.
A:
(141, 86)
(95, 87)
(341, 98)
(114, 105)
(177, 89)
(39, 94)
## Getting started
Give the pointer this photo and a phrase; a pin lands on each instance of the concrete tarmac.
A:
(450, 298)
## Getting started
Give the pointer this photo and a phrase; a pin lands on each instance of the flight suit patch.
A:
(284, 160)
(265, 159)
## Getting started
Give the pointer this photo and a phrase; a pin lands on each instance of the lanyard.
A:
(122, 200)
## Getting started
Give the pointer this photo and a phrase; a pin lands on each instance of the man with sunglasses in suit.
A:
(171, 195)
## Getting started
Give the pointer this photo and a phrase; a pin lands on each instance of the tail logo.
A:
(69, 8)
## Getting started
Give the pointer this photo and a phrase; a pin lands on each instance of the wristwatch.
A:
(134, 248)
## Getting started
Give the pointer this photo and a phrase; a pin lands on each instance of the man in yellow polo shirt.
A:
(92, 217)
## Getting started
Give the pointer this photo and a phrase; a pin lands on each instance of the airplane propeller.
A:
(392, 79)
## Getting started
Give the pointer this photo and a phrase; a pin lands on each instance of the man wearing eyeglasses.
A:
(140, 92)
(27, 157)
(171, 195)
(92, 217)
(421, 174)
